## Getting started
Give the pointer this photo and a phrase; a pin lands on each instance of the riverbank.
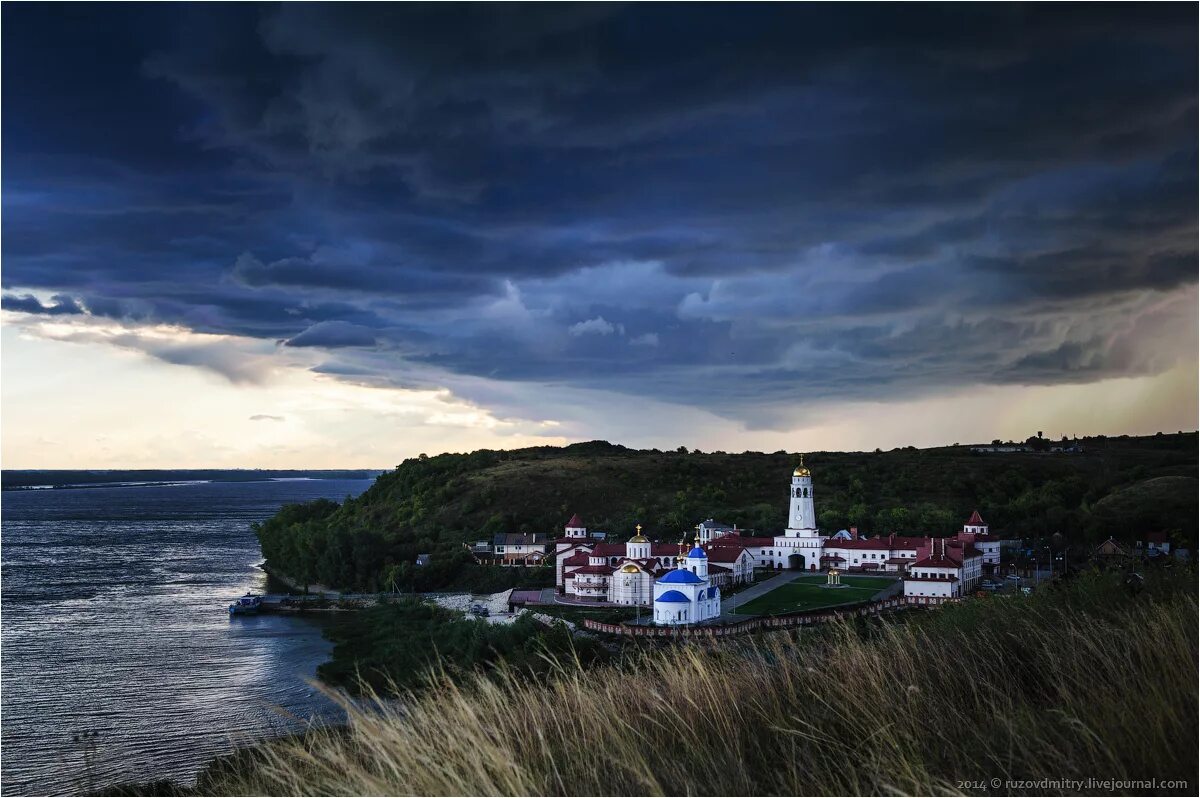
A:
(294, 585)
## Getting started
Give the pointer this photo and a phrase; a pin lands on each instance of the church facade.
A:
(685, 595)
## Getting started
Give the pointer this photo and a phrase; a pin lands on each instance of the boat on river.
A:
(246, 605)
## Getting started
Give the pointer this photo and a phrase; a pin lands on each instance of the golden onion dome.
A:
(801, 470)
(629, 568)
(639, 537)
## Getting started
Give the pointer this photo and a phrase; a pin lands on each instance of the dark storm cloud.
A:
(333, 334)
(849, 202)
(27, 303)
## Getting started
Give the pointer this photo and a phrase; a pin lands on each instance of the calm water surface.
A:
(114, 621)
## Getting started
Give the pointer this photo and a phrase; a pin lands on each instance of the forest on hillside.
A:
(1120, 486)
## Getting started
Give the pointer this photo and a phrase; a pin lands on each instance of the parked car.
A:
(1013, 578)
(479, 610)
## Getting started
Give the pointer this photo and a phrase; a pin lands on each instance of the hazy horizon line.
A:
(691, 450)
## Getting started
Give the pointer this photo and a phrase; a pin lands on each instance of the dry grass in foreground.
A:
(1015, 690)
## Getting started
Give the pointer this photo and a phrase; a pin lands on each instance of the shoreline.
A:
(314, 589)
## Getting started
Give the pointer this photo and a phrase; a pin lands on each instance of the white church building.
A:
(685, 594)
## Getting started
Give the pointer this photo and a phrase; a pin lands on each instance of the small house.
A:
(1156, 544)
(1109, 551)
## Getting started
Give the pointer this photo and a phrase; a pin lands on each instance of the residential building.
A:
(516, 548)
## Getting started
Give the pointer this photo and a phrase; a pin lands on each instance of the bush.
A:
(393, 646)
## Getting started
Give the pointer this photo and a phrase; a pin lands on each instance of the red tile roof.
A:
(908, 542)
(873, 544)
(725, 553)
(937, 561)
(594, 569)
(619, 549)
(975, 520)
(741, 541)
(577, 559)
(575, 521)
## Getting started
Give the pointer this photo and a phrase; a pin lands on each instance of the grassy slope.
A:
(434, 504)
(1085, 681)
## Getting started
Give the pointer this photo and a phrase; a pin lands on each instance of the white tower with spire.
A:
(697, 561)
(802, 517)
(800, 544)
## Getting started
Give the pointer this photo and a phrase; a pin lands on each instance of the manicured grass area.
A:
(807, 593)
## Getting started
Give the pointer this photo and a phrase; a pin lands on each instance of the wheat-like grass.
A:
(1051, 692)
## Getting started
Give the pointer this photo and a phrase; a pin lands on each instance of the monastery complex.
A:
(684, 587)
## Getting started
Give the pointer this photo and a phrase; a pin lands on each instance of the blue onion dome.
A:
(674, 597)
(697, 553)
(681, 577)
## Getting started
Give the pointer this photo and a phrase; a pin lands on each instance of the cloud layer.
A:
(740, 209)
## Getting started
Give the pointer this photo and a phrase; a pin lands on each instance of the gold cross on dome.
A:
(638, 528)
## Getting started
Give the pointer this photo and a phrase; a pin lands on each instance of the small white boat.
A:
(246, 605)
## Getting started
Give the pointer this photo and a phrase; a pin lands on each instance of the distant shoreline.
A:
(73, 479)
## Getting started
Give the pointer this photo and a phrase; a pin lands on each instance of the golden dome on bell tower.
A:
(802, 470)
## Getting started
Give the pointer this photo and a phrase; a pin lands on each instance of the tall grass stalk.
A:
(1039, 691)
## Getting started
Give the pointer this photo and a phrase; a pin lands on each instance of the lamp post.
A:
(1037, 569)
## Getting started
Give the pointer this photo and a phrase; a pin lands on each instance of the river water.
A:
(114, 623)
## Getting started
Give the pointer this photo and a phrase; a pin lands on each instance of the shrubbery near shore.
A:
(392, 647)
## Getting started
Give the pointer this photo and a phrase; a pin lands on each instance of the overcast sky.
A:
(310, 235)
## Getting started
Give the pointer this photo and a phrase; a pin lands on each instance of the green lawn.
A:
(806, 593)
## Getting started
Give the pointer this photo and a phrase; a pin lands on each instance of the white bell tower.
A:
(802, 518)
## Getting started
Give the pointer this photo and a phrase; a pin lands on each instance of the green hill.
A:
(434, 504)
